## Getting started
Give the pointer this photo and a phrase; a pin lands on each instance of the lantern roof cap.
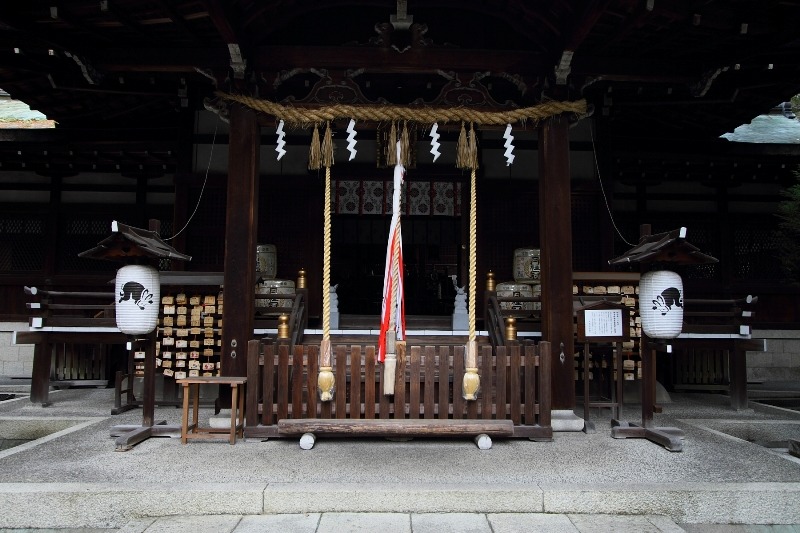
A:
(668, 247)
(127, 242)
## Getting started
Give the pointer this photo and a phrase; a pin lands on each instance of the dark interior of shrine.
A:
(133, 88)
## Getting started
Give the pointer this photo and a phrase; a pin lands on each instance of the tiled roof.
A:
(669, 247)
(129, 242)
(774, 129)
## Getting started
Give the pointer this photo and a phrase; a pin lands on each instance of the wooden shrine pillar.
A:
(555, 240)
(241, 228)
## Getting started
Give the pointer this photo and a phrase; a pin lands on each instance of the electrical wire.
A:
(205, 180)
(602, 189)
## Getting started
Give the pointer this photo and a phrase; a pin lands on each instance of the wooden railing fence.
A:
(515, 385)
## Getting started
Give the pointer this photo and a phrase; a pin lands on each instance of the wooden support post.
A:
(647, 354)
(737, 359)
(241, 227)
(40, 382)
(555, 237)
(149, 381)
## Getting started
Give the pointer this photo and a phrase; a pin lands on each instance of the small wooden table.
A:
(193, 431)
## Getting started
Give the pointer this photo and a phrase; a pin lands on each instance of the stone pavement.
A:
(418, 523)
(729, 477)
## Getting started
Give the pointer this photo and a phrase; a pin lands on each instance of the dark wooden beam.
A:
(224, 22)
(241, 227)
(555, 238)
(585, 24)
(276, 58)
(178, 20)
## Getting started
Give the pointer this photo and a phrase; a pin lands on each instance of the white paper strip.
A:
(281, 140)
(435, 141)
(509, 145)
(351, 139)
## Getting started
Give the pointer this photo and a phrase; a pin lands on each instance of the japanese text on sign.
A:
(603, 323)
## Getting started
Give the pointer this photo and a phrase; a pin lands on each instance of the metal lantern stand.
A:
(670, 247)
(131, 245)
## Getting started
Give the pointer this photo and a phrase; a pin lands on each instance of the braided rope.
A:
(326, 259)
(296, 115)
(473, 247)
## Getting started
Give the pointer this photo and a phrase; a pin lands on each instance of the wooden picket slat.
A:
(516, 388)
(383, 399)
(487, 385)
(444, 382)
(268, 386)
(414, 385)
(458, 382)
(530, 385)
(297, 382)
(282, 399)
(312, 370)
(400, 381)
(340, 371)
(355, 381)
(501, 374)
(430, 369)
(369, 383)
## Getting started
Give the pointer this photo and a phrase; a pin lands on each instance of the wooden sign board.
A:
(603, 322)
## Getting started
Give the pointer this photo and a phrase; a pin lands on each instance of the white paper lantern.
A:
(661, 304)
(138, 295)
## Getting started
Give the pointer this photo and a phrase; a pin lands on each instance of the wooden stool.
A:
(193, 431)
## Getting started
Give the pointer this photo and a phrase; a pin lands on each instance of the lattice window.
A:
(78, 233)
(22, 242)
(755, 250)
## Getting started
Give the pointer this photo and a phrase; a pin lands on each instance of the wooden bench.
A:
(710, 354)
(72, 332)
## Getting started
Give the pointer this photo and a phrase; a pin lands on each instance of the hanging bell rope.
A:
(299, 116)
(472, 381)
(325, 378)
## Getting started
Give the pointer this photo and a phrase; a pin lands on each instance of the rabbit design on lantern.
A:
(137, 292)
(667, 299)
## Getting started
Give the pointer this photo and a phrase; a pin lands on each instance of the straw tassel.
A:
(405, 146)
(327, 147)
(314, 150)
(391, 147)
(473, 148)
(462, 149)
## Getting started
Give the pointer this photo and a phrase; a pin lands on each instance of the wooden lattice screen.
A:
(22, 242)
